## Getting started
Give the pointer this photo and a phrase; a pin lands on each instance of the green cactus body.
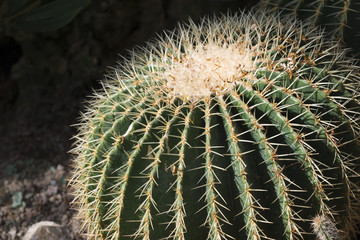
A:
(340, 18)
(244, 127)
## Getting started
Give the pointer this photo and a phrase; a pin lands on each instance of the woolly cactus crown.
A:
(241, 127)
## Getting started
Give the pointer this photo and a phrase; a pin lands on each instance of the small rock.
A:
(28, 195)
(52, 189)
(12, 233)
(47, 230)
(3, 235)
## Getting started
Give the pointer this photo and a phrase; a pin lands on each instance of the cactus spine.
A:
(243, 127)
(340, 18)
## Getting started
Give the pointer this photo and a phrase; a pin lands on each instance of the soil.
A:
(45, 79)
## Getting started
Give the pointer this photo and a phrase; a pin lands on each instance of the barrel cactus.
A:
(340, 18)
(242, 127)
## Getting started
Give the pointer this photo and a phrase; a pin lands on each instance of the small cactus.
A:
(325, 229)
(242, 127)
(341, 18)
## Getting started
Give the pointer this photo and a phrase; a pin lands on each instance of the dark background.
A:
(45, 78)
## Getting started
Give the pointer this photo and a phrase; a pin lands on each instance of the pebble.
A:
(46, 230)
(12, 233)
